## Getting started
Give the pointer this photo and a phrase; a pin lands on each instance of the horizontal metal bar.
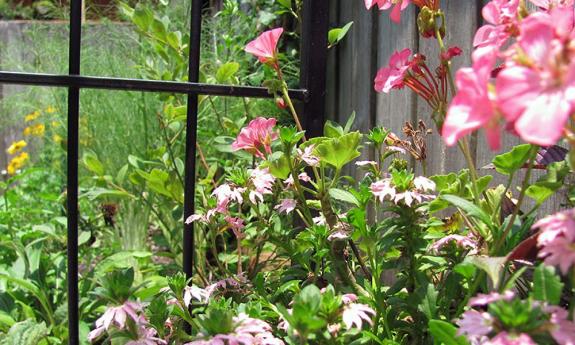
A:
(91, 82)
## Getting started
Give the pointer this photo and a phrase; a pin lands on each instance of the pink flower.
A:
(537, 95)
(502, 17)
(472, 107)
(451, 53)
(257, 135)
(391, 77)
(224, 194)
(286, 206)
(248, 331)
(349, 298)
(505, 338)
(475, 324)
(485, 299)
(147, 336)
(423, 184)
(265, 46)
(302, 177)
(562, 329)
(307, 156)
(116, 317)
(557, 239)
(194, 292)
(237, 225)
(263, 182)
(395, 14)
(364, 163)
(354, 314)
(463, 242)
(382, 189)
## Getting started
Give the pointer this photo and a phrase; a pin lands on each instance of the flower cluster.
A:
(414, 191)
(258, 135)
(533, 91)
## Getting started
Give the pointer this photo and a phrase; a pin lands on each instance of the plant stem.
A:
(287, 99)
(524, 186)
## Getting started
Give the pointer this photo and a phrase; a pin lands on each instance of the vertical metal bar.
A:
(314, 63)
(72, 161)
(191, 136)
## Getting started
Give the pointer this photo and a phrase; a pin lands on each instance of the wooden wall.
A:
(368, 46)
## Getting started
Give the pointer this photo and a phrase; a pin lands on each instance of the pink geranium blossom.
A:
(286, 206)
(398, 6)
(265, 46)
(472, 108)
(501, 16)
(537, 93)
(354, 314)
(307, 156)
(197, 293)
(237, 225)
(392, 76)
(258, 135)
(147, 336)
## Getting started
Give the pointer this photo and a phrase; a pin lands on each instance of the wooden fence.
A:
(368, 46)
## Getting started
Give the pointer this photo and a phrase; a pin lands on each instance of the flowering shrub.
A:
(300, 253)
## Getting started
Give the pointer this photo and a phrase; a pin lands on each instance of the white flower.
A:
(286, 206)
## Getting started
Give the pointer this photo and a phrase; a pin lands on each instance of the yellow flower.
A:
(32, 116)
(16, 146)
(55, 124)
(50, 109)
(36, 130)
(57, 138)
(17, 163)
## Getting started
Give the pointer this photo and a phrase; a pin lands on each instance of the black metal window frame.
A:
(311, 94)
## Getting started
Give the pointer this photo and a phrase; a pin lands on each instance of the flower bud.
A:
(281, 103)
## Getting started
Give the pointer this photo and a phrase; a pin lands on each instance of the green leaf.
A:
(547, 285)
(337, 34)
(227, 71)
(428, 305)
(469, 208)
(343, 195)
(97, 192)
(339, 151)
(445, 333)
(493, 266)
(92, 163)
(509, 162)
(142, 17)
(25, 333)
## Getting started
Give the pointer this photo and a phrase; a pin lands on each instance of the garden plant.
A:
(293, 245)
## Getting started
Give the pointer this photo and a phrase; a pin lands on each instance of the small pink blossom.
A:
(451, 53)
(308, 157)
(349, 298)
(319, 220)
(262, 182)
(258, 135)
(237, 225)
(354, 314)
(382, 189)
(304, 177)
(463, 242)
(392, 76)
(562, 329)
(116, 317)
(505, 338)
(472, 107)
(557, 239)
(475, 324)
(398, 6)
(147, 336)
(224, 194)
(265, 46)
(424, 184)
(194, 292)
(364, 163)
(485, 299)
(286, 206)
